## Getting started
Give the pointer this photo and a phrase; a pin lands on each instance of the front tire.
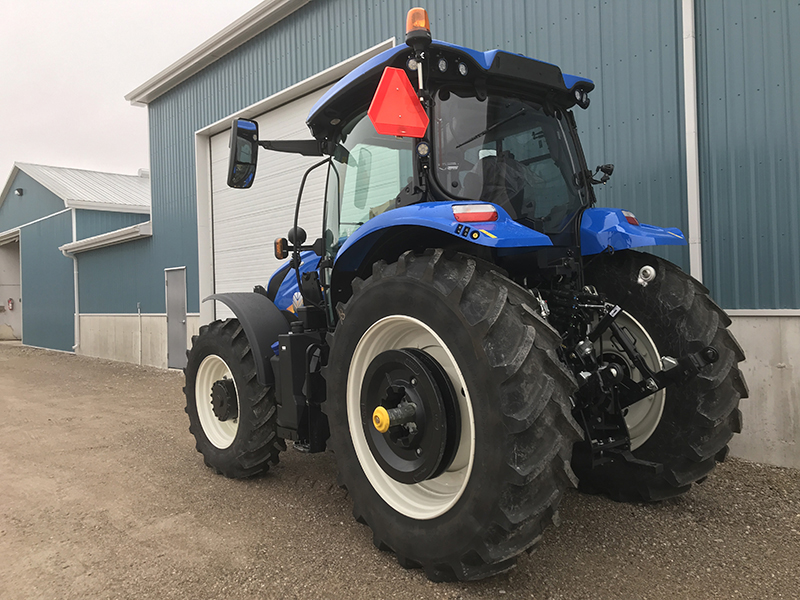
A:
(686, 427)
(514, 435)
(231, 415)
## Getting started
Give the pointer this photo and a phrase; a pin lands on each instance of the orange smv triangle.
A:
(395, 108)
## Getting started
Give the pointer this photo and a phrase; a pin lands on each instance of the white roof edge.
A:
(301, 88)
(126, 234)
(6, 237)
(246, 27)
(108, 207)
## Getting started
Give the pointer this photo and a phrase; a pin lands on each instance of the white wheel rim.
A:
(433, 497)
(219, 433)
(643, 417)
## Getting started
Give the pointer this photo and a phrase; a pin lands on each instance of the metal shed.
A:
(42, 210)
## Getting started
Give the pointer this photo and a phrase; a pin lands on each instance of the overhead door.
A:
(247, 222)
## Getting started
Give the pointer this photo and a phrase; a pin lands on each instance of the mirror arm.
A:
(304, 147)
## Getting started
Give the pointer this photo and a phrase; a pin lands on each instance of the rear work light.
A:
(630, 217)
(474, 213)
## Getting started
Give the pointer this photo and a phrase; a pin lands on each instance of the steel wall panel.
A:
(47, 284)
(748, 88)
(114, 279)
(89, 223)
(36, 202)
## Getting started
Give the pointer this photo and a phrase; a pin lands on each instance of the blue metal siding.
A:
(36, 202)
(749, 86)
(114, 279)
(47, 284)
(631, 49)
(89, 223)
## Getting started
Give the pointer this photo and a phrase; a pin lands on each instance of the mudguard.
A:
(503, 233)
(602, 228)
(262, 322)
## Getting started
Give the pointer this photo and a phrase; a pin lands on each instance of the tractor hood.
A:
(462, 66)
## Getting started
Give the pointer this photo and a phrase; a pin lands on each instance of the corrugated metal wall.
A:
(114, 279)
(47, 284)
(630, 48)
(36, 202)
(89, 223)
(749, 96)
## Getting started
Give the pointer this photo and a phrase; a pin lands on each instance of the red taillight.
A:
(630, 217)
(474, 213)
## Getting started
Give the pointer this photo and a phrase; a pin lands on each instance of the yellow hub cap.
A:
(380, 418)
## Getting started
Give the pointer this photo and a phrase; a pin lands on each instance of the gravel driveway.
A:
(102, 495)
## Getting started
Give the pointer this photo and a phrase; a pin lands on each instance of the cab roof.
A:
(354, 91)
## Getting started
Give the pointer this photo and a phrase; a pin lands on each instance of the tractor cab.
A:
(429, 121)
(447, 124)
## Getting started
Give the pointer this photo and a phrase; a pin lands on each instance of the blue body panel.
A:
(503, 233)
(283, 299)
(355, 74)
(601, 228)
(483, 59)
(604, 227)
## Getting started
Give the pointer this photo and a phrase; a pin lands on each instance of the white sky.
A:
(66, 65)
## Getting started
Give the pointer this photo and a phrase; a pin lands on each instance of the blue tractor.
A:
(470, 336)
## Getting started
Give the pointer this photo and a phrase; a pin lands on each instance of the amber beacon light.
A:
(418, 28)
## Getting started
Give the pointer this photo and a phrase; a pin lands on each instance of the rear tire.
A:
(699, 416)
(516, 432)
(237, 437)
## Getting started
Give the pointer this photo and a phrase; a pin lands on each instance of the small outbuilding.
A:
(47, 215)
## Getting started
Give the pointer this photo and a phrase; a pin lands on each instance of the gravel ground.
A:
(102, 495)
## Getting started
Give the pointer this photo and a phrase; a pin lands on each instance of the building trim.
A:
(7, 237)
(765, 312)
(133, 314)
(108, 207)
(246, 27)
(205, 233)
(692, 141)
(119, 236)
(14, 231)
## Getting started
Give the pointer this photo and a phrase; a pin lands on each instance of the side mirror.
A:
(244, 153)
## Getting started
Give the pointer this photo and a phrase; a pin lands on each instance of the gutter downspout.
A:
(75, 285)
(692, 142)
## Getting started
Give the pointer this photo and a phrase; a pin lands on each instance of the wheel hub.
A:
(223, 400)
(409, 414)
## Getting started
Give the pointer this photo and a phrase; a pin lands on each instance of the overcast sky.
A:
(66, 65)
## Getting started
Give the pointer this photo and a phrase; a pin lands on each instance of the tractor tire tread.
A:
(533, 399)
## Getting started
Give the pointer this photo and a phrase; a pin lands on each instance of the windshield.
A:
(367, 172)
(509, 152)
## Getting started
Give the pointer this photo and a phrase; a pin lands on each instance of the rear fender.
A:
(262, 323)
(502, 234)
(602, 228)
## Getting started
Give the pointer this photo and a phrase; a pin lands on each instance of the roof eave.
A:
(262, 17)
(126, 234)
(108, 207)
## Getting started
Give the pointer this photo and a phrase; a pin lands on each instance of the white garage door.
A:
(247, 222)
